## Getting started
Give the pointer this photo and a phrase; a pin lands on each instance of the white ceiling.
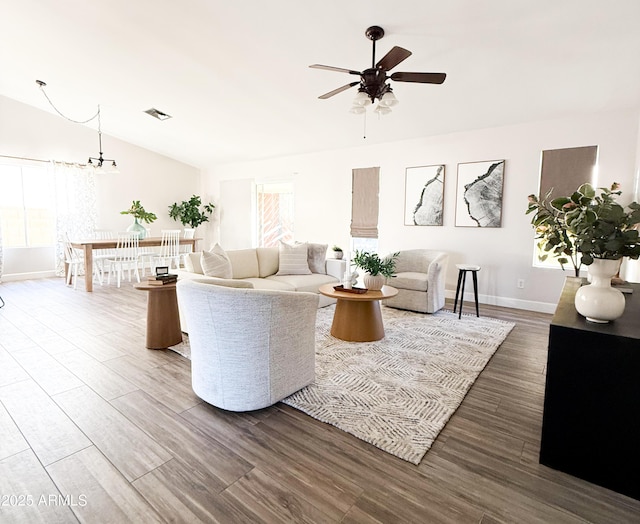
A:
(235, 75)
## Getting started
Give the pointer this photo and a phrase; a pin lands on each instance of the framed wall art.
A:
(479, 194)
(424, 196)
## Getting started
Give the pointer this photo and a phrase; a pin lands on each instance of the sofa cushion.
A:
(268, 260)
(293, 260)
(269, 283)
(316, 257)
(192, 263)
(215, 263)
(244, 263)
(410, 280)
(187, 275)
(309, 283)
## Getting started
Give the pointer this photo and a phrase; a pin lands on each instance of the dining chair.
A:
(185, 250)
(73, 260)
(101, 255)
(169, 250)
(126, 257)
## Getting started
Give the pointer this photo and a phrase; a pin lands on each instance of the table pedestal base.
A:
(355, 321)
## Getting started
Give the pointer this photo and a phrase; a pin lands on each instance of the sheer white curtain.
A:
(1, 255)
(76, 207)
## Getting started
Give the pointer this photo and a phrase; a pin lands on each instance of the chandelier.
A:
(99, 163)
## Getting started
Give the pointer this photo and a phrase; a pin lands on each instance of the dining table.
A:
(88, 246)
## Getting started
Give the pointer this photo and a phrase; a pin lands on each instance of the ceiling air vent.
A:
(156, 113)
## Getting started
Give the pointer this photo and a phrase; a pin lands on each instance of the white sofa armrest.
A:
(336, 267)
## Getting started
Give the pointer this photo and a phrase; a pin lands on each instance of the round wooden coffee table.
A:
(357, 317)
(163, 320)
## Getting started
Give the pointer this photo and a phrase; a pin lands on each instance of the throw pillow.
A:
(316, 256)
(215, 263)
(192, 263)
(293, 260)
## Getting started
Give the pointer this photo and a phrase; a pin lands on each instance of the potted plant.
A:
(379, 269)
(592, 229)
(139, 214)
(337, 252)
(189, 212)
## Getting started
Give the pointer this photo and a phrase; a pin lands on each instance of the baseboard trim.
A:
(515, 303)
(14, 277)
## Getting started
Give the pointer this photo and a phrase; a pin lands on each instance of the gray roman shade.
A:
(364, 202)
(565, 170)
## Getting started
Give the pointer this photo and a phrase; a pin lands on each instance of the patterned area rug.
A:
(397, 393)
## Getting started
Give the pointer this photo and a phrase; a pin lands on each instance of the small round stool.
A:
(462, 278)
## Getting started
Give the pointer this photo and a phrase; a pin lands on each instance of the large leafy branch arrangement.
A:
(587, 225)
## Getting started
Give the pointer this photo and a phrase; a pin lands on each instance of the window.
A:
(27, 207)
(564, 170)
(364, 209)
(275, 213)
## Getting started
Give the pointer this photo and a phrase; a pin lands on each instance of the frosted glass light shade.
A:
(388, 99)
(361, 99)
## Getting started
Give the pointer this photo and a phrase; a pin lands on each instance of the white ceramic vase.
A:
(598, 301)
(374, 282)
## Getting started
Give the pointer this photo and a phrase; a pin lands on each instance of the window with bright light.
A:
(562, 171)
(275, 213)
(27, 206)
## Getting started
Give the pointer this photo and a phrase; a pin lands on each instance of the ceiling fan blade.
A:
(393, 58)
(339, 90)
(423, 78)
(338, 69)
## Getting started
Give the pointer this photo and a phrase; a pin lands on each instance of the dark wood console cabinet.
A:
(591, 420)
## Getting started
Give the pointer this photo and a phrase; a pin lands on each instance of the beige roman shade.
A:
(364, 202)
(565, 170)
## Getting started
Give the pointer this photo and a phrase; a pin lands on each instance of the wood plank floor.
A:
(96, 428)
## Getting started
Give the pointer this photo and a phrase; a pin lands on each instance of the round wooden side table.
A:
(357, 317)
(163, 320)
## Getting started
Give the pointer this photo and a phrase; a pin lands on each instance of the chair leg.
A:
(464, 281)
(475, 290)
(455, 303)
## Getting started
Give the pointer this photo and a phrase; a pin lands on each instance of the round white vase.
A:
(374, 282)
(598, 301)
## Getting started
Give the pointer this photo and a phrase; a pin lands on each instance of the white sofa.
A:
(250, 348)
(420, 280)
(257, 268)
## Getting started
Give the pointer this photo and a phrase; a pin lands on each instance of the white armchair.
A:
(420, 280)
(250, 348)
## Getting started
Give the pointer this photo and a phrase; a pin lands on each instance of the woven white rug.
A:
(397, 393)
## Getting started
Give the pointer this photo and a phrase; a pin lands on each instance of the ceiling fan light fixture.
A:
(389, 99)
(382, 110)
(358, 110)
(362, 98)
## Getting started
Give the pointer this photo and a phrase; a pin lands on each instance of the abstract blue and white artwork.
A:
(424, 196)
(479, 194)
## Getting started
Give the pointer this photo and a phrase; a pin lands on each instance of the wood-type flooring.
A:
(96, 428)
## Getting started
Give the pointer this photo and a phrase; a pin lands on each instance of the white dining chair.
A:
(186, 249)
(125, 258)
(101, 255)
(169, 250)
(74, 260)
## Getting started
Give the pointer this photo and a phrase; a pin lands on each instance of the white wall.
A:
(157, 181)
(323, 195)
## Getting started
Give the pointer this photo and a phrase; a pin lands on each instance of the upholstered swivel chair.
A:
(250, 348)
(420, 280)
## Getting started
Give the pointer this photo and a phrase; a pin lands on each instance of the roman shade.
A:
(565, 170)
(364, 202)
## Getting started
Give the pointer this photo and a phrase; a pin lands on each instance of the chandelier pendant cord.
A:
(42, 85)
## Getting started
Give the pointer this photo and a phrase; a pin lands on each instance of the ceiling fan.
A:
(373, 81)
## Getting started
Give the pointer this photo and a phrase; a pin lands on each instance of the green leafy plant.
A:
(139, 212)
(189, 212)
(587, 225)
(336, 248)
(374, 265)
